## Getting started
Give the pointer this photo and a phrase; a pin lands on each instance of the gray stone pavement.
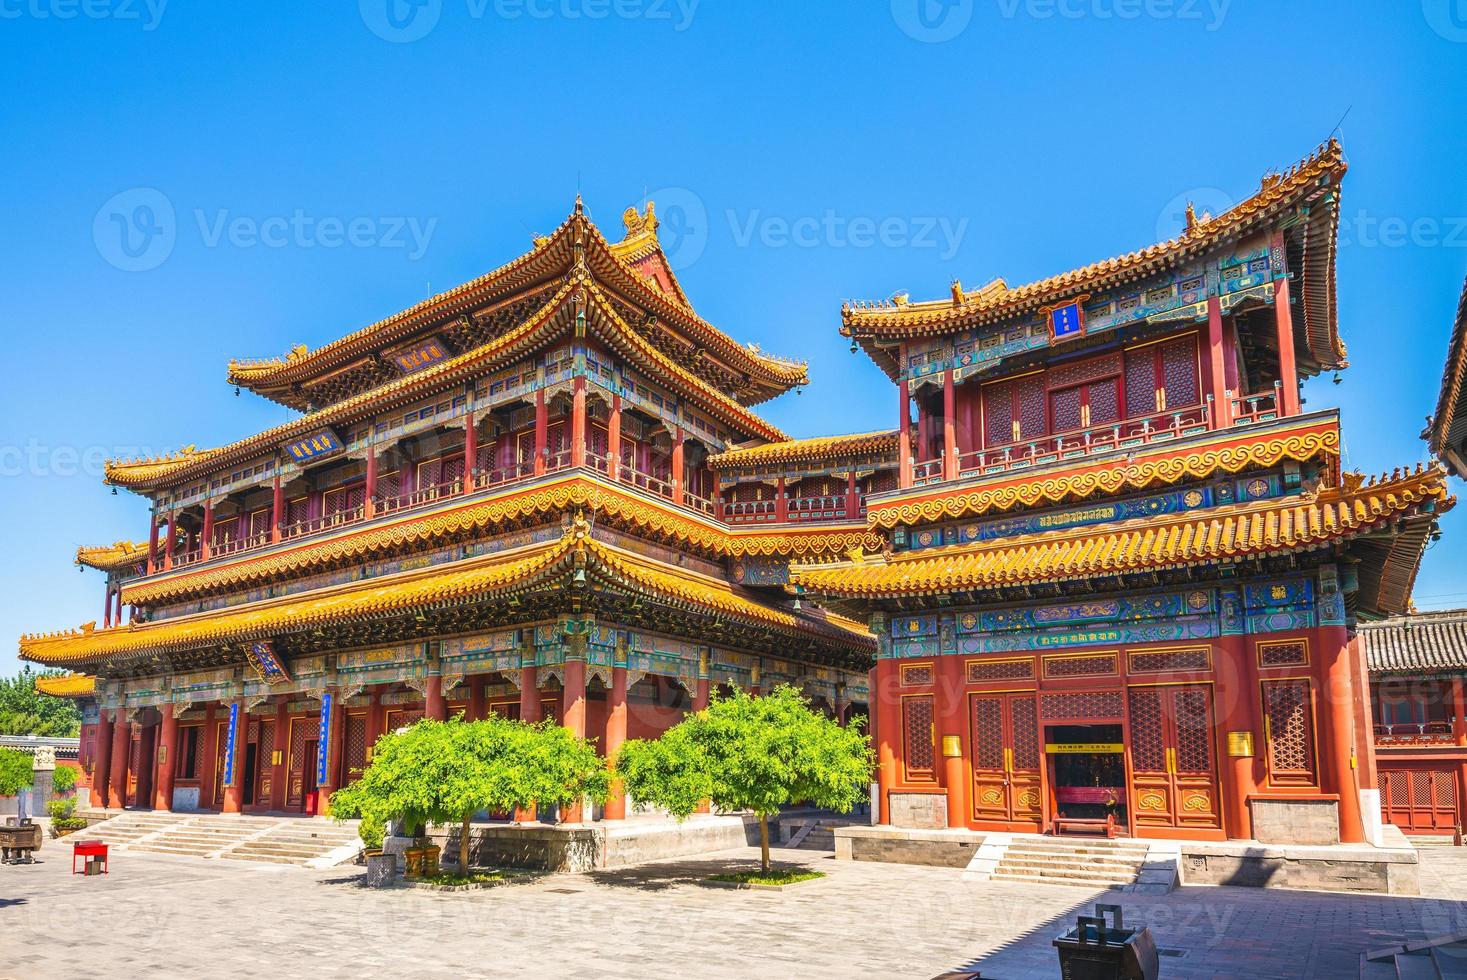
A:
(161, 916)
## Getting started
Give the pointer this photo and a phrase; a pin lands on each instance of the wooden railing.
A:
(1264, 406)
(1414, 733)
(1160, 427)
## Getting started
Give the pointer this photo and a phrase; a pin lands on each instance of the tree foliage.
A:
(445, 772)
(16, 771)
(63, 780)
(750, 753)
(25, 711)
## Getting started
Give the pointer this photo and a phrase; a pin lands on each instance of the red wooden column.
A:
(530, 713)
(279, 771)
(168, 542)
(951, 718)
(1288, 367)
(904, 438)
(117, 618)
(434, 707)
(107, 609)
(949, 427)
(153, 543)
(369, 505)
(1238, 711)
(476, 710)
(573, 717)
(578, 421)
(1335, 730)
(166, 759)
(121, 748)
(886, 725)
(678, 476)
(542, 431)
(102, 763)
(206, 545)
(616, 734)
(471, 450)
(277, 511)
(238, 726)
(781, 502)
(1216, 364)
(1459, 710)
(375, 719)
(853, 503)
(613, 440)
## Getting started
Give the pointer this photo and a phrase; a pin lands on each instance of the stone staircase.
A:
(274, 840)
(817, 836)
(1080, 863)
(1443, 958)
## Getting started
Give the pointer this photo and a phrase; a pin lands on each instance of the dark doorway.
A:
(1087, 771)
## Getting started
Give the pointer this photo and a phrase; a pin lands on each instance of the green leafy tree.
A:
(16, 772)
(445, 772)
(750, 753)
(25, 711)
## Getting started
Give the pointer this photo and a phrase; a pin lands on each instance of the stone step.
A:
(1061, 876)
(1068, 882)
(1112, 866)
(1062, 871)
(180, 849)
(264, 858)
(284, 850)
(292, 835)
(1088, 847)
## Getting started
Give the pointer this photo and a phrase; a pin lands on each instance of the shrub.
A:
(61, 809)
(16, 772)
(60, 828)
(63, 780)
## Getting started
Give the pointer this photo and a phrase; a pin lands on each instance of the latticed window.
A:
(1289, 720)
(1025, 721)
(1148, 737)
(999, 670)
(1193, 719)
(1087, 704)
(1283, 653)
(1156, 661)
(919, 732)
(988, 733)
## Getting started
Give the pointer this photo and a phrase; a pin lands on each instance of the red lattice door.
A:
(134, 766)
(301, 730)
(1173, 766)
(1420, 800)
(919, 737)
(221, 751)
(264, 769)
(1006, 761)
(354, 752)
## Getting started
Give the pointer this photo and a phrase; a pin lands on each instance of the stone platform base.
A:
(1391, 870)
(586, 847)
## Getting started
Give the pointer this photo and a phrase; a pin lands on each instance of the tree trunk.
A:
(463, 846)
(764, 842)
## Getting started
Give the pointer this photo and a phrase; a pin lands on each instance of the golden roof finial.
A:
(959, 297)
(1192, 222)
(638, 223)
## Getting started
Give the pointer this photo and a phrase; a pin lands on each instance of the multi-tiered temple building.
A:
(1111, 566)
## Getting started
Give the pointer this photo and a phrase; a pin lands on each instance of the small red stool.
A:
(86, 849)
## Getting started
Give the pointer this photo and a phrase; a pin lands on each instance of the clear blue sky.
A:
(290, 172)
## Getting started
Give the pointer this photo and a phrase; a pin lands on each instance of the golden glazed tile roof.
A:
(67, 685)
(869, 322)
(122, 556)
(806, 450)
(1447, 433)
(569, 493)
(543, 566)
(553, 320)
(550, 259)
(1223, 534)
(1229, 451)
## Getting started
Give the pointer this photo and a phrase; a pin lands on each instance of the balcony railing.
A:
(1160, 427)
(808, 509)
(1261, 407)
(1413, 733)
(750, 512)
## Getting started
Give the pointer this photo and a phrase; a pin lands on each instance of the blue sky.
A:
(287, 173)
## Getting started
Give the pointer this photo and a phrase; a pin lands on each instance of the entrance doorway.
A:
(1006, 761)
(1087, 771)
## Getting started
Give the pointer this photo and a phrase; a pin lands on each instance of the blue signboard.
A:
(323, 740)
(266, 662)
(313, 446)
(420, 355)
(229, 742)
(1066, 321)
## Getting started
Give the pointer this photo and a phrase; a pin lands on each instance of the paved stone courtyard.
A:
(157, 915)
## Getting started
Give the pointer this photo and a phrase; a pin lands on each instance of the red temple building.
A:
(1124, 570)
(1105, 573)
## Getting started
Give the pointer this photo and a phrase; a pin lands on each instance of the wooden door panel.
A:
(301, 730)
(1173, 771)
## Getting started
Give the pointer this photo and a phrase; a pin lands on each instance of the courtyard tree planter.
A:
(381, 869)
